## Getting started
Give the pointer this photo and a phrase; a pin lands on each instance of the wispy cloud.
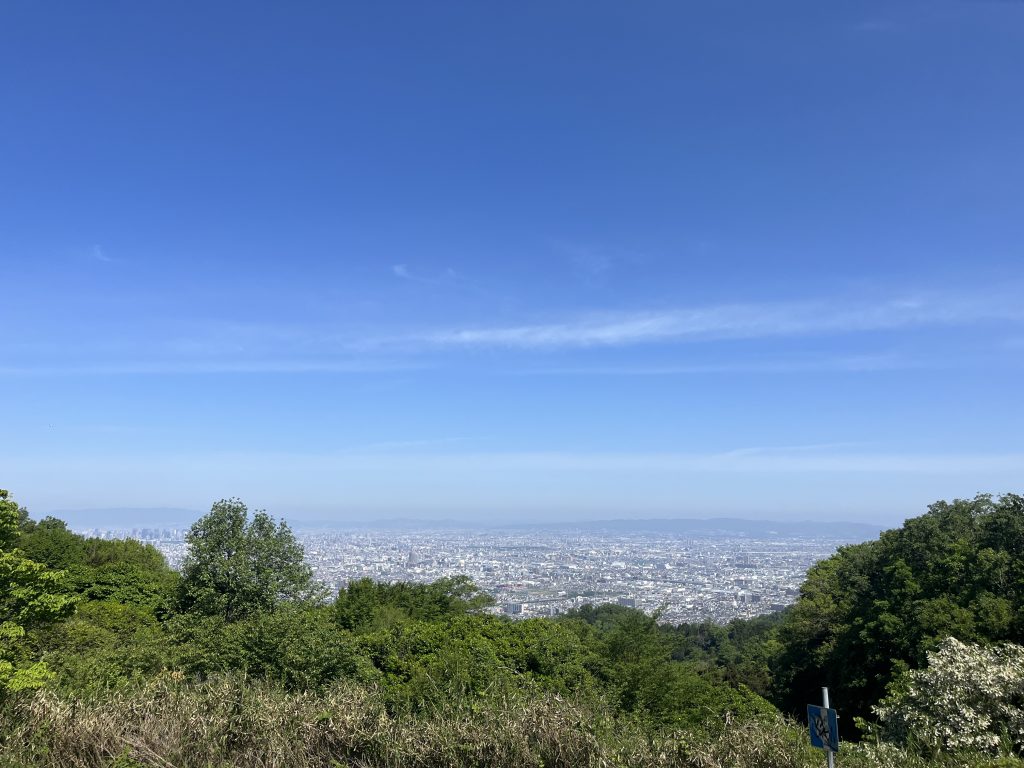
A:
(863, 363)
(735, 321)
(186, 367)
(99, 254)
(415, 462)
(595, 266)
(210, 346)
(415, 445)
(591, 263)
(447, 277)
(790, 450)
(825, 458)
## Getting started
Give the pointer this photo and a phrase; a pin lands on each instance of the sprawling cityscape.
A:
(538, 572)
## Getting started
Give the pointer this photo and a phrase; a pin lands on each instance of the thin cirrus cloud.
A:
(448, 277)
(417, 459)
(100, 255)
(188, 366)
(848, 364)
(734, 321)
(296, 348)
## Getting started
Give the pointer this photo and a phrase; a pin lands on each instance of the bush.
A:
(968, 697)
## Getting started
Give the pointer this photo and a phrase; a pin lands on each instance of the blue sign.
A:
(824, 728)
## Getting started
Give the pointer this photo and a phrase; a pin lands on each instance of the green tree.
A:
(636, 666)
(120, 570)
(236, 567)
(51, 543)
(299, 646)
(873, 610)
(365, 604)
(30, 595)
(105, 644)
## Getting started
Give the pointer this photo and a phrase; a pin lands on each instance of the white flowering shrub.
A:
(968, 697)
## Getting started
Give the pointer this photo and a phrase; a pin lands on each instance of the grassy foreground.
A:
(232, 721)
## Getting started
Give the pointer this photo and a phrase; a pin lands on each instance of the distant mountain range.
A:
(171, 517)
(127, 517)
(682, 526)
(733, 526)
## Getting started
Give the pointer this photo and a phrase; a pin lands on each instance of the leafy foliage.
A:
(874, 610)
(739, 652)
(31, 595)
(237, 567)
(968, 697)
(104, 645)
(296, 646)
(636, 663)
(124, 571)
(366, 604)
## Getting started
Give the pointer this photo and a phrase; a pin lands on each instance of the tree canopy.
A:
(236, 566)
(364, 602)
(875, 609)
(30, 595)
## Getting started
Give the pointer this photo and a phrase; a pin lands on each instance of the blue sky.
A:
(525, 261)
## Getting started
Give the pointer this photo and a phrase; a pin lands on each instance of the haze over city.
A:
(559, 262)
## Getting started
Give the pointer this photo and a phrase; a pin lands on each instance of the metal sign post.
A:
(824, 727)
(828, 749)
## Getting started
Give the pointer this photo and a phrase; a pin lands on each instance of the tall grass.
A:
(231, 721)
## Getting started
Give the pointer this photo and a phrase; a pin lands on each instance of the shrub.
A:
(968, 697)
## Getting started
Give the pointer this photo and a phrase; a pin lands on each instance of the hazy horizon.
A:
(115, 518)
(127, 520)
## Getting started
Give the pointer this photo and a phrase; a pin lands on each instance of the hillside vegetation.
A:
(110, 658)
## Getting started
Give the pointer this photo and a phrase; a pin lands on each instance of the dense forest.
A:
(108, 657)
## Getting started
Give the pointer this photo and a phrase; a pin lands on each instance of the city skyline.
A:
(709, 576)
